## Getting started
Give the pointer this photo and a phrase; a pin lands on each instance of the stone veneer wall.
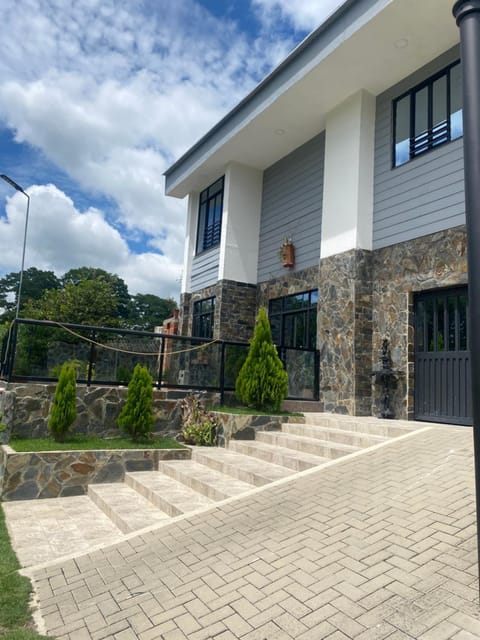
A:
(289, 283)
(235, 310)
(52, 474)
(399, 271)
(26, 408)
(344, 332)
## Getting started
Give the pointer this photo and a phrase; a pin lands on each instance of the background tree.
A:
(119, 286)
(88, 302)
(35, 283)
(148, 311)
(262, 382)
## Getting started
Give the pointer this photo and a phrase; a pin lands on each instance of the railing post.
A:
(91, 360)
(11, 349)
(222, 375)
(317, 375)
(161, 361)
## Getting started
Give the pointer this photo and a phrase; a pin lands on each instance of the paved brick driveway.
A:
(379, 545)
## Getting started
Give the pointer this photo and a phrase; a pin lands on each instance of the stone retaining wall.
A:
(26, 408)
(52, 474)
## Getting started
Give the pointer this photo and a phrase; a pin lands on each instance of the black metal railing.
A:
(34, 350)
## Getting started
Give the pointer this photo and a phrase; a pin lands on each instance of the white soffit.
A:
(401, 38)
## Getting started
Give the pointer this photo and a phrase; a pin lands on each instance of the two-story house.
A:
(351, 149)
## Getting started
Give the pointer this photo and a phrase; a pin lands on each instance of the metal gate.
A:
(442, 357)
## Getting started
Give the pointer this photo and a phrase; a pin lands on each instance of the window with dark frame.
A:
(293, 320)
(428, 115)
(210, 216)
(203, 318)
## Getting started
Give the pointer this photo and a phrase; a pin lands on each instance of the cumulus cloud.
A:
(112, 92)
(304, 15)
(59, 237)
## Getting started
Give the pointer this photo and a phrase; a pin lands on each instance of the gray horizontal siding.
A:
(205, 269)
(424, 195)
(292, 207)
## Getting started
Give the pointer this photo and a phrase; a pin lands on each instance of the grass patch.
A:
(253, 412)
(15, 615)
(92, 443)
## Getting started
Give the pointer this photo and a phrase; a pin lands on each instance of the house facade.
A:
(350, 156)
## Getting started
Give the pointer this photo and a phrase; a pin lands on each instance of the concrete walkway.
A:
(381, 544)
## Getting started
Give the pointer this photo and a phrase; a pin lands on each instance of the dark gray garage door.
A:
(442, 357)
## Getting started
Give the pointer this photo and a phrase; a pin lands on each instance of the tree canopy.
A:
(85, 295)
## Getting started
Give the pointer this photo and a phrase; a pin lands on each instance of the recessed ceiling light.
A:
(279, 132)
(401, 43)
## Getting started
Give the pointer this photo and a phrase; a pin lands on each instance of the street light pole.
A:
(467, 16)
(16, 186)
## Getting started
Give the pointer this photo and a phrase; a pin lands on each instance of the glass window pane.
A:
(456, 102)
(313, 297)
(276, 305)
(420, 322)
(421, 111)
(451, 305)
(439, 98)
(276, 326)
(439, 111)
(440, 325)
(462, 323)
(402, 131)
(429, 325)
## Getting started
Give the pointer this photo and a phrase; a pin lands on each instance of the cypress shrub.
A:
(262, 382)
(64, 410)
(136, 416)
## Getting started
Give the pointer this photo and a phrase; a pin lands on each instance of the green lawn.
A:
(90, 442)
(15, 617)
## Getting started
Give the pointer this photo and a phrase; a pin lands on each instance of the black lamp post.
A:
(467, 15)
(16, 186)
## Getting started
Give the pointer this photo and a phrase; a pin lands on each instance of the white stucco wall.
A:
(240, 224)
(190, 238)
(348, 178)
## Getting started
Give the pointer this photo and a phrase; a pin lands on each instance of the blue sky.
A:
(99, 97)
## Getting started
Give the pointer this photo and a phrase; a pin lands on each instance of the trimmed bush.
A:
(64, 410)
(262, 382)
(136, 416)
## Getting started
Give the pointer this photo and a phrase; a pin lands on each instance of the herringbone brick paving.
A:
(382, 545)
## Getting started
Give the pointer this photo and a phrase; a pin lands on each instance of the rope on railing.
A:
(134, 353)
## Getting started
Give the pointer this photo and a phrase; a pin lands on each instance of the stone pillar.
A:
(345, 332)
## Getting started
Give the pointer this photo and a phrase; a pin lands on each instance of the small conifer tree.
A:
(262, 382)
(136, 416)
(64, 410)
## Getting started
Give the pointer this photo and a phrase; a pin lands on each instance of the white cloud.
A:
(305, 15)
(112, 92)
(60, 237)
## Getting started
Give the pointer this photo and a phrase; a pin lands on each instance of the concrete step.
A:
(210, 483)
(322, 448)
(355, 438)
(167, 494)
(238, 465)
(289, 458)
(373, 426)
(125, 507)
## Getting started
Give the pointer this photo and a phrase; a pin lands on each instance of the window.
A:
(210, 216)
(428, 115)
(203, 318)
(294, 320)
